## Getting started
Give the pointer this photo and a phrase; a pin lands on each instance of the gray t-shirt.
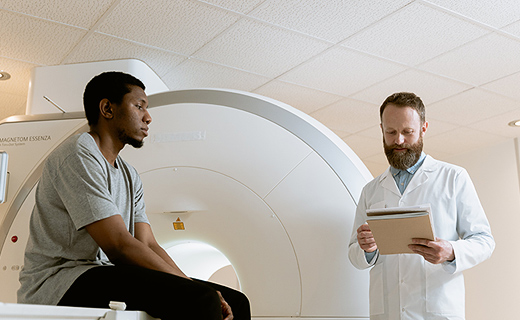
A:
(78, 187)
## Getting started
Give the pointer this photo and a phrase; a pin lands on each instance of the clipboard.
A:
(394, 228)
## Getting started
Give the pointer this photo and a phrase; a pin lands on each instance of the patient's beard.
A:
(404, 160)
(126, 139)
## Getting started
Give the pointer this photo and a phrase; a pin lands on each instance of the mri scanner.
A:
(239, 188)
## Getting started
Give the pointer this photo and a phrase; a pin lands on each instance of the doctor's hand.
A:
(226, 309)
(435, 252)
(366, 239)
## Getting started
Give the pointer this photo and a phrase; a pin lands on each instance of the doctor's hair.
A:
(112, 85)
(404, 99)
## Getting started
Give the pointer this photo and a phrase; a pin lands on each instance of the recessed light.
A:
(515, 123)
(4, 75)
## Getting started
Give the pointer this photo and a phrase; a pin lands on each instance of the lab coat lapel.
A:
(422, 174)
(387, 182)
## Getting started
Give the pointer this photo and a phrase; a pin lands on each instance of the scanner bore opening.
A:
(202, 261)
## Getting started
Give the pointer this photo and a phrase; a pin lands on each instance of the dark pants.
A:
(160, 294)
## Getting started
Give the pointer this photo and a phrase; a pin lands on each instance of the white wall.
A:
(493, 287)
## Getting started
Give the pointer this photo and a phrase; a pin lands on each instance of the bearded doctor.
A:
(428, 284)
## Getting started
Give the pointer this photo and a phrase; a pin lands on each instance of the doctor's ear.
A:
(424, 127)
(105, 109)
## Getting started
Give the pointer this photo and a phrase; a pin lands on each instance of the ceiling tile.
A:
(507, 86)
(242, 6)
(499, 124)
(470, 106)
(14, 91)
(414, 34)
(342, 71)
(102, 47)
(34, 40)
(374, 131)
(436, 154)
(461, 140)
(194, 73)
(377, 164)
(181, 26)
(429, 87)
(491, 13)
(348, 115)
(305, 99)
(260, 48)
(437, 127)
(513, 29)
(20, 76)
(71, 12)
(11, 105)
(484, 60)
(332, 20)
(341, 134)
(250, 42)
(363, 146)
(375, 169)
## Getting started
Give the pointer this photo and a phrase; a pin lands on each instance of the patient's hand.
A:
(226, 309)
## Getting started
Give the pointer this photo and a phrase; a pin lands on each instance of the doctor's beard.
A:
(404, 160)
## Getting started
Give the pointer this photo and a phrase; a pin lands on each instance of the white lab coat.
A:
(405, 286)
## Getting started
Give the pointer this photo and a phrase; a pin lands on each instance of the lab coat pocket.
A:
(444, 291)
(377, 302)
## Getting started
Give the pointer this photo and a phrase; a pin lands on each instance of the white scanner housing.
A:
(267, 186)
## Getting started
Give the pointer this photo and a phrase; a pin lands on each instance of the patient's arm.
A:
(122, 248)
(144, 233)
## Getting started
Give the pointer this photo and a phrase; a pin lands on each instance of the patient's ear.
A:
(105, 109)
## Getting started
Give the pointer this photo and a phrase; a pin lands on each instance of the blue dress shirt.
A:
(403, 177)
